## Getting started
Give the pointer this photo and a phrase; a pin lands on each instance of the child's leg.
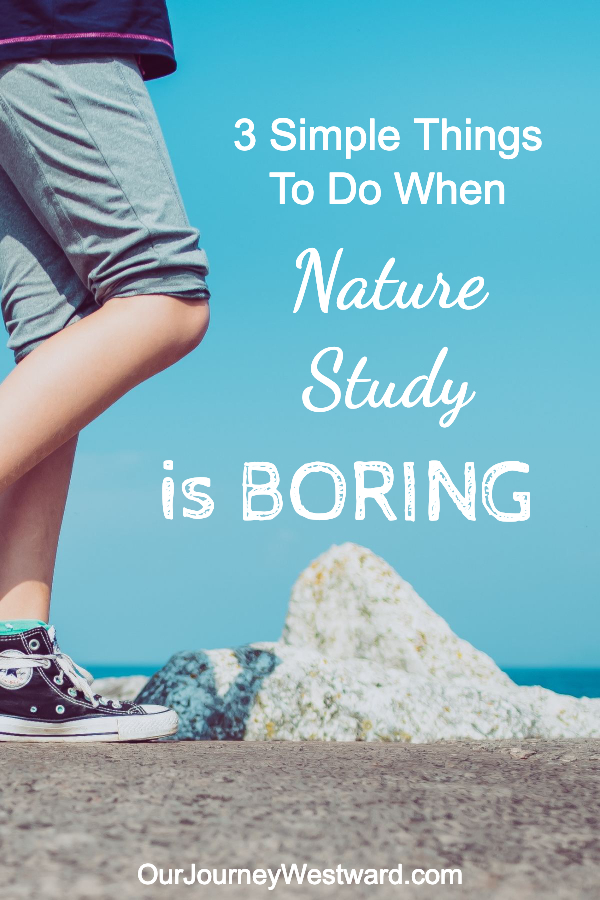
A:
(31, 513)
(76, 374)
(101, 286)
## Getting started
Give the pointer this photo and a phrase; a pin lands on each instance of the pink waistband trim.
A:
(85, 34)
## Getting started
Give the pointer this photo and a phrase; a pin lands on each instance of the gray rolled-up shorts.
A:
(89, 205)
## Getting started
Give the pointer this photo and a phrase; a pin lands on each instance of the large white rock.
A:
(362, 657)
(351, 604)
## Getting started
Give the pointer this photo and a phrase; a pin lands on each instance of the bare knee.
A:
(189, 319)
(166, 327)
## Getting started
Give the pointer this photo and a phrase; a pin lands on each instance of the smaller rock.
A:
(124, 688)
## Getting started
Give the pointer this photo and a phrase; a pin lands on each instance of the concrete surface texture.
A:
(520, 818)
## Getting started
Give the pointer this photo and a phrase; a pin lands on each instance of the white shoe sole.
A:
(147, 727)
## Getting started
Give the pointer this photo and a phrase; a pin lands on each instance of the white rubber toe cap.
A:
(157, 722)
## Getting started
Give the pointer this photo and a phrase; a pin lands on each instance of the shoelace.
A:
(79, 677)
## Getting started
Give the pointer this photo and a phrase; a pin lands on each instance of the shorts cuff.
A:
(187, 286)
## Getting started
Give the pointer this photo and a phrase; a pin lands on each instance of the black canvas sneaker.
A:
(45, 696)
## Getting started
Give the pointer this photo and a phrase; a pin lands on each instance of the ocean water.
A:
(577, 682)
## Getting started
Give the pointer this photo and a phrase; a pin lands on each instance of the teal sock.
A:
(16, 626)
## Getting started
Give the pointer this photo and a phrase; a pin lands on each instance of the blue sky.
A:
(132, 587)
